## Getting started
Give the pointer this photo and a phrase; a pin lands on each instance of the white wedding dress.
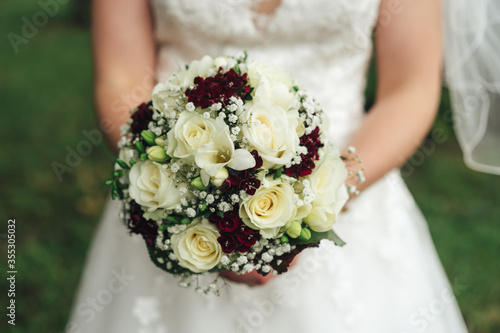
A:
(387, 278)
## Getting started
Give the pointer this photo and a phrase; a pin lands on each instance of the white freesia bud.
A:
(219, 177)
(328, 181)
(321, 218)
(160, 141)
(157, 154)
(294, 229)
(198, 183)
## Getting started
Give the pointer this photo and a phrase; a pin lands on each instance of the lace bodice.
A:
(324, 44)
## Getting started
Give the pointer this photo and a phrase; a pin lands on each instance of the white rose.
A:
(220, 152)
(269, 131)
(279, 94)
(269, 209)
(197, 248)
(201, 67)
(328, 181)
(191, 131)
(152, 187)
(321, 218)
(165, 94)
(224, 62)
(220, 62)
(275, 75)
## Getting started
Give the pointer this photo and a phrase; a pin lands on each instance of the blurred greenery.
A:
(46, 95)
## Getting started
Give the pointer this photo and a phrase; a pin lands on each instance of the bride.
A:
(388, 278)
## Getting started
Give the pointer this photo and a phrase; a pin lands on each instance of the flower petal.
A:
(242, 160)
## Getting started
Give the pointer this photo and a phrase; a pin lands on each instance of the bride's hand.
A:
(252, 279)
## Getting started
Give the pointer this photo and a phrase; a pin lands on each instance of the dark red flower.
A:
(258, 159)
(227, 243)
(141, 118)
(243, 248)
(250, 185)
(139, 225)
(226, 185)
(237, 177)
(229, 222)
(218, 88)
(246, 240)
(246, 230)
(312, 142)
(215, 218)
(242, 181)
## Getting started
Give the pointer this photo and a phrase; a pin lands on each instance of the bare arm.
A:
(124, 59)
(409, 68)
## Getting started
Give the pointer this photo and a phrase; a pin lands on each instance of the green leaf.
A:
(109, 181)
(114, 191)
(220, 214)
(144, 156)
(278, 173)
(122, 164)
(185, 220)
(335, 238)
(117, 174)
(317, 236)
(296, 88)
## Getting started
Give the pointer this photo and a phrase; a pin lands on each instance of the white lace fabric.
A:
(378, 282)
(325, 45)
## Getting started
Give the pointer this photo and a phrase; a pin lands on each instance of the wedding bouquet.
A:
(228, 168)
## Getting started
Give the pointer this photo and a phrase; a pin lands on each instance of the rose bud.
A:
(305, 234)
(220, 177)
(149, 137)
(160, 141)
(198, 183)
(294, 229)
(157, 154)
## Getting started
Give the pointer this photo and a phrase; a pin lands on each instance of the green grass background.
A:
(46, 102)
